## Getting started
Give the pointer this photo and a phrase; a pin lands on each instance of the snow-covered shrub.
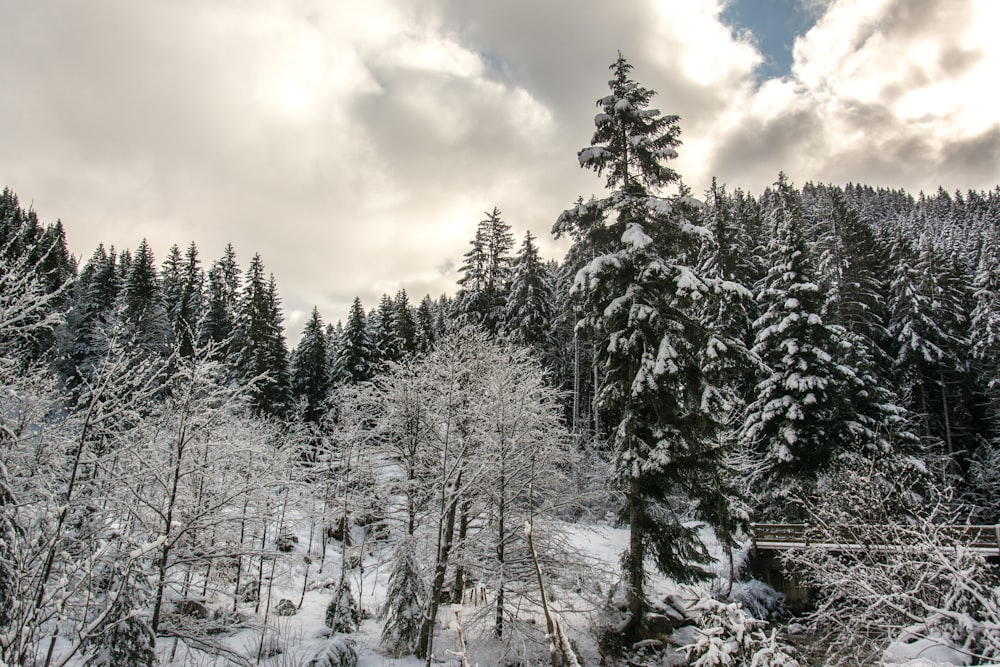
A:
(126, 637)
(728, 637)
(759, 600)
(401, 612)
(285, 608)
(338, 652)
(343, 614)
(286, 541)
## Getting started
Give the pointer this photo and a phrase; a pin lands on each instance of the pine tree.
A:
(401, 613)
(222, 302)
(382, 330)
(929, 329)
(357, 362)
(126, 637)
(143, 314)
(801, 417)
(310, 376)
(405, 325)
(485, 276)
(426, 331)
(639, 301)
(529, 301)
(260, 344)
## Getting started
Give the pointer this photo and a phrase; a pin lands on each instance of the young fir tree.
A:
(485, 276)
(126, 637)
(639, 297)
(529, 301)
(382, 330)
(426, 331)
(405, 325)
(190, 305)
(401, 613)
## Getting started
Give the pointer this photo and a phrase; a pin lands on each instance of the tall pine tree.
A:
(639, 305)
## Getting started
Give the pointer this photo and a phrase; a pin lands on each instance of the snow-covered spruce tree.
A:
(259, 342)
(401, 611)
(382, 329)
(802, 416)
(357, 361)
(640, 296)
(529, 301)
(342, 613)
(485, 276)
(143, 314)
(404, 324)
(729, 637)
(929, 329)
(309, 370)
(222, 298)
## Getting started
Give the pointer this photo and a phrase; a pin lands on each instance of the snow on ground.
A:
(303, 635)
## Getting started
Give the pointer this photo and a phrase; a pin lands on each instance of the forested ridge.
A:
(813, 352)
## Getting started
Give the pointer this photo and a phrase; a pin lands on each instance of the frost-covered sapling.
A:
(343, 613)
(401, 612)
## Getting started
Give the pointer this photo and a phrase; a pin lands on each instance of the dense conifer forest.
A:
(697, 361)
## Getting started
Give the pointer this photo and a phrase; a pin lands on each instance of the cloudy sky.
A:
(355, 145)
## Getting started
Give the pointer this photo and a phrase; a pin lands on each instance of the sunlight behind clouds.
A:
(357, 144)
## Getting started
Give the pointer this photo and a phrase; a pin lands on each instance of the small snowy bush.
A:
(759, 600)
(338, 652)
(728, 637)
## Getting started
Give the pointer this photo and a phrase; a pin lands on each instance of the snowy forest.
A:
(557, 464)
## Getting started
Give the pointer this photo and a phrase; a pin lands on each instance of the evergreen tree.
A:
(529, 302)
(802, 416)
(260, 344)
(426, 331)
(183, 282)
(356, 362)
(126, 637)
(382, 328)
(485, 276)
(639, 298)
(143, 314)
(310, 376)
(222, 302)
(401, 613)
(405, 325)
(985, 321)
(929, 329)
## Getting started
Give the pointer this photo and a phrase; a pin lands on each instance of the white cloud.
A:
(356, 145)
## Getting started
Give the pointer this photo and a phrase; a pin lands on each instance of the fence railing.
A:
(779, 536)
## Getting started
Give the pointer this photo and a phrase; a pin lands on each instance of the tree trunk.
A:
(637, 555)
(425, 644)
(501, 510)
